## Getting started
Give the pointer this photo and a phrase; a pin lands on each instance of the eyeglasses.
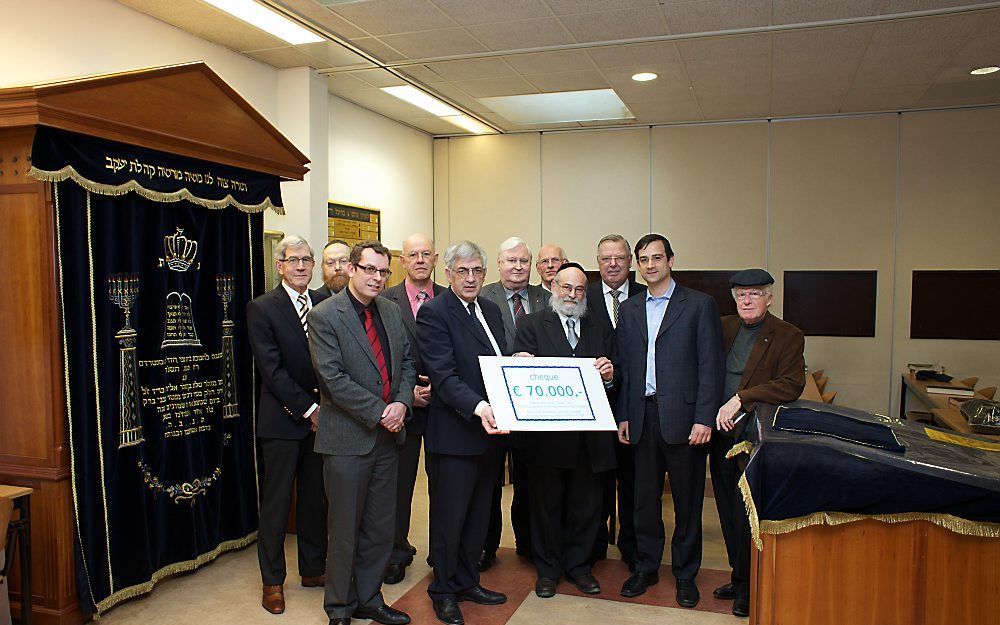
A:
(426, 254)
(462, 272)
(755, 294)
(569, 289)
(606, 260)
(295, 260)
(551, 261)
(371, 270)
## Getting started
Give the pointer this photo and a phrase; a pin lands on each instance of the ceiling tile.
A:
(420, 73)
(434, 43)
(209, 23)
(285, 57)
(524, 34)
(719, 108)
(675, 109)
(324, 17)
(379, 50)
(696, 16)
(832, 52)
(492, 87)
(383, 17)
(669, 81)
(332, 54)
(581, 80)
(805, 104)
(345, 83)
(379, 78)
(614, 25)
(456, 96)
(883, 98)
(569, 7)
(471, 69)
(548, 62)
(902, 6)
(798, 11)
(632, 55)
(467, 12)
(984, 48)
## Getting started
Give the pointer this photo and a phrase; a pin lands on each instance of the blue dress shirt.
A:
(656, 308)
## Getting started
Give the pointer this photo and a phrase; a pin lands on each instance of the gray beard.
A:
(568, 309)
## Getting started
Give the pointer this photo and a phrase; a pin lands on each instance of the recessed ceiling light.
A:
(423, 100)
(644, 76)
(979, 71)
(267, 20)
(468, 123)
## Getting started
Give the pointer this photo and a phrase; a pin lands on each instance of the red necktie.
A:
(377, 351)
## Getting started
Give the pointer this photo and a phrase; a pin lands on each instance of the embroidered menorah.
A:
(123, 289)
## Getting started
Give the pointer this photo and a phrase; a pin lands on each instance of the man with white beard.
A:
(568, 469)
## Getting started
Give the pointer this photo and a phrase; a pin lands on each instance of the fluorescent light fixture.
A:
(565, 106)
(468, 123)
(416, 97)
(980, 71)
(267, 20)
(644, 76)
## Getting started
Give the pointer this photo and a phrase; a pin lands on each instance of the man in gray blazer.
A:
(516, 298)
(366, 376)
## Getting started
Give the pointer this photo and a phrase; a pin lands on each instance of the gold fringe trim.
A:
(131, 186)
(744, 447)
(172, 569)
(751, 512)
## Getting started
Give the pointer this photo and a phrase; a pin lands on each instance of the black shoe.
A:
(486, 560)
(383, 614)
(587, 583)
(637, 584)
(687, 593)
(741, 607)
(413, 550)
(394, 573)
(726, 593)
(447, 611)
(482, 596)
(430, 562)
(545, 587)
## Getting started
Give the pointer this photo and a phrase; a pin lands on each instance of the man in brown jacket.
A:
(764, 364)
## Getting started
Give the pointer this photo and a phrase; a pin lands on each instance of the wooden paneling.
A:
(969, 568)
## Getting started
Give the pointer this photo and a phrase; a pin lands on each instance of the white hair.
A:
(463, 250)
(510, 244)
(767, 288)
(292, 240)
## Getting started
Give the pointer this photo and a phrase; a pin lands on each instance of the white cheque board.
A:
(546, 394)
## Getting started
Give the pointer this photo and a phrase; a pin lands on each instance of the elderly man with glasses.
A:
(764, 364)
(550, 259)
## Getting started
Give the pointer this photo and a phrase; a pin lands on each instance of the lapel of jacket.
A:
(350, 319)
(675, 307)
(554, 329)
(537, 296)
(765, 336)
(498, 296)
(729, 329)
(458, 309)
(399, 296)
(394, 332)
(287, 309)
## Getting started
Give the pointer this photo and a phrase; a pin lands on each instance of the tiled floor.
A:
(227, 591)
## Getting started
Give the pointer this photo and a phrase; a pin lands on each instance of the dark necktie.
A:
(379, 354)
(615, 304)
(472, 310)
(303, 311)
(518, 308)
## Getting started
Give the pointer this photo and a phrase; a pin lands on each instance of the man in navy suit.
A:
(463, 447)
(604, 300)
(419, 259)
(286, 424)
(670, 355)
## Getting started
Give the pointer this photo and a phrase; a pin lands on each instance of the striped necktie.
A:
(303, 311)
(615, 304)
(421, 298)
(518, 308)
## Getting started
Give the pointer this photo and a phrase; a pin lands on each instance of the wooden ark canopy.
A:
(181, 109)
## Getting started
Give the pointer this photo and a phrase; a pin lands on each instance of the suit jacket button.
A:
(315, 390)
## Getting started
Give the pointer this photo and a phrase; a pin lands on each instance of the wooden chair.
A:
(970, 382)
(817, 374)
(828, 397)
(821, 384)
(989, 391)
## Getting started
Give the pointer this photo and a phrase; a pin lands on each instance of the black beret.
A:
(751, 277)
(571, 266)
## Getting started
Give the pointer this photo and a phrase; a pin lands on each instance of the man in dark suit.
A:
(419, 260)
(568, 469)
(604, 300)
(286, 422)
(463, 451)
(366, 374)
(670, 355)
(335, 260)
(764, 364)
(516, 298)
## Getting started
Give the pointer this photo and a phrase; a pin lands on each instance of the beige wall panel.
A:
(594, 183)
(495, 192)
(949, 218)
(833, 194)
(441, 206)
(710, 193)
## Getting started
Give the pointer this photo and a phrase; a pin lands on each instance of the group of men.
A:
(356, 377)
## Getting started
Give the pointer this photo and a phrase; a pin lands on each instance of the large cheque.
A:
(546, 394)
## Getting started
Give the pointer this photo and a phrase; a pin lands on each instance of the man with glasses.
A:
(516, 298)
(604, 300)
(764, 364)
(550, 259)
(670, 355)
(463, 449)
(286, 421)
(417, 288)
(568, 469)
(362, 358)
(335, 261)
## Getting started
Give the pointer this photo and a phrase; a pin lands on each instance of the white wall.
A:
(378, 163)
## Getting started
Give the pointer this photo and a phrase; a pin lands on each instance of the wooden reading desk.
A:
(946, 414)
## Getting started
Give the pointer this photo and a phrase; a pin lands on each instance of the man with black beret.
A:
(764, 364)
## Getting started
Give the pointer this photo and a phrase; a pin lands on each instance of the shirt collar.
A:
(667, 295)
(623, 289)
(358, 306)
(412, 291)
(292, 293)
(523, 292)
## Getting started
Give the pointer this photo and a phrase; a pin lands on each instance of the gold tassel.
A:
(131, 186)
